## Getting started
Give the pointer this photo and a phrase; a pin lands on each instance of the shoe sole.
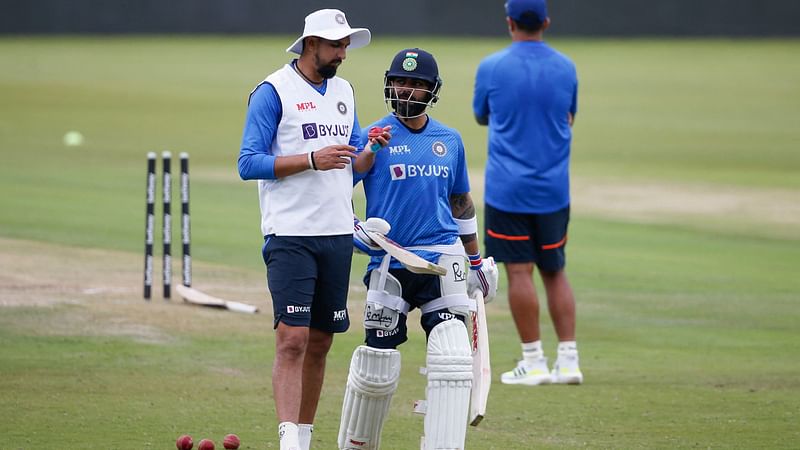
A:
(574, 380)
(527, 382)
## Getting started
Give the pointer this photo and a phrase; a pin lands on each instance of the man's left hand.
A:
(483, 278)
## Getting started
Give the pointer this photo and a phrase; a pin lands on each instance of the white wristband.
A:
(467, 226)
(311, 161)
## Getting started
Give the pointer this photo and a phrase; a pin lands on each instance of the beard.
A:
(405, 108)
(410, 106)
(328, 70)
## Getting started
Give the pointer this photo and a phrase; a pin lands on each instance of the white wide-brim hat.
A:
(330, 24)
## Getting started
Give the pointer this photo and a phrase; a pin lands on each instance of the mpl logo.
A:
(399, 149)
(291, 309)
(339, 315)
(306, 106)
(447, 316)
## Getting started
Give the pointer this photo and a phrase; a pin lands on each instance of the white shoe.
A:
(530, 375)
(566, 369)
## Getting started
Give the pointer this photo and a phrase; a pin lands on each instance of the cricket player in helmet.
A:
(418, 184)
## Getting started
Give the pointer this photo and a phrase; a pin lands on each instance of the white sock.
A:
(532, 352)
(567, 347)
(288, 435)
(305, 430)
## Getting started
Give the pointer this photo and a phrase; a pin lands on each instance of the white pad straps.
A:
(449, 368)
(373, 378)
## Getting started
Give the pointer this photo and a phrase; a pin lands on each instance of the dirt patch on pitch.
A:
(761, 212)
(89, 292)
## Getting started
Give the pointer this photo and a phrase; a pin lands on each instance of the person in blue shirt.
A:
(417, 193)
(527, 95)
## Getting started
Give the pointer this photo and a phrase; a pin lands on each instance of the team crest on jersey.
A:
(439, 149)
(341, 107)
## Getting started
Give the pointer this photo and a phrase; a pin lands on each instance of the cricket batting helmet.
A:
(412, 63)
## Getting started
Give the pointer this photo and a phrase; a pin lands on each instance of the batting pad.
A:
(373, 378)
(449, 368)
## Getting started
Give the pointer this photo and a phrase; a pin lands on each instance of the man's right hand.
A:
(333, 157)
(362, 242)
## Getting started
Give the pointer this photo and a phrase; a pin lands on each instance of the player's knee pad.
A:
(449, 371)
(373, 378)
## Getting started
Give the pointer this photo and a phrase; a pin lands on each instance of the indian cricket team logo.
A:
(342, 108)
(398, 171)
(439, 149)
(410, 63)
(339, 19)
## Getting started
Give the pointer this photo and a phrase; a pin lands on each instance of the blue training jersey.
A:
(411, 182)
(527, 92)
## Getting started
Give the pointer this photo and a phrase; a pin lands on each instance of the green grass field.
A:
(684, 248)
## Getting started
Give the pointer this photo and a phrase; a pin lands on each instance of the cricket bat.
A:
(195, 297)
(411, 261)
(481, 367)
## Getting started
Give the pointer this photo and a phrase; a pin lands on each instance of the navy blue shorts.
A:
(308, 278)
(523, 238)
(418, 289)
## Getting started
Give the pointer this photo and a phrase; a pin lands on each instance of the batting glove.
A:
(482, 276)
(362, 242)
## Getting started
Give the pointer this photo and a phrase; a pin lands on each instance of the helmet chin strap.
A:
(393, 102)
(410, 107)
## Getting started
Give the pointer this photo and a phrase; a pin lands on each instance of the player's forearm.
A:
(363, 163)
(471, 244)
(292, 164)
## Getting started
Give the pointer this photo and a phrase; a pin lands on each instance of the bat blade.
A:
(481, 365)
(195, 297)
(411, 261)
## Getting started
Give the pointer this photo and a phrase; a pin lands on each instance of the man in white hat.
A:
(300, 137)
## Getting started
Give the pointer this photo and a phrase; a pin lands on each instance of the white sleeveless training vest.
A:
(309, 203)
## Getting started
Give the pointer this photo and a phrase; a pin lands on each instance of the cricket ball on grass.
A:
(184, 442)
(231, 442)
(206, 444)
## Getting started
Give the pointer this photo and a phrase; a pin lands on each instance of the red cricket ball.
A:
(231, 442)
(184, 442)
(206, 444)
(375, 132)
